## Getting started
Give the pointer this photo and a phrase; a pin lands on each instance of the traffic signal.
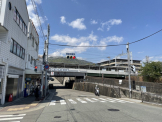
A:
(35, 69)
(70, 57)
(133, 68)
(67, 57)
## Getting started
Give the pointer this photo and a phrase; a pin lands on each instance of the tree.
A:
(151, 71)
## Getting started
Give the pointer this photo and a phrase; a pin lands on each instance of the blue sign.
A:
(70, 53)
(46, 66)
(28, 79)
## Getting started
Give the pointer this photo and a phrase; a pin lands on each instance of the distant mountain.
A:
(68, 61)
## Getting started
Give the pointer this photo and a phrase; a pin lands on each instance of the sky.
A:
(100, 23)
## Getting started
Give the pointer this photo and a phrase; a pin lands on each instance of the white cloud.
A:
(109, 23)
(33, 16)
(79, 58)
(72, 40)
(106, 40)
(78, 23)
(57, 53)
(94, 22)
(63, 21)
(102, 60)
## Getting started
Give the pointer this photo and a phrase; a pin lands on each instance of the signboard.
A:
(70, 54)
(120, 81)
(28, 79)
(137, 88)
(46, 66)
(143, 88)
(52, 73)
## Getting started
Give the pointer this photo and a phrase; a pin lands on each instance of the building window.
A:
(33, 41)
(9, 5)
(28, 57)
(34, 62)
(14, 47)
(11, 46)
(36, 47)
(31, 60)
(21, 52)
(18, 19)
(18, 50)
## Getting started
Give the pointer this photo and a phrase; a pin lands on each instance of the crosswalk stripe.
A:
(72, 101)
(94, 99)
(89, 100)
(13, 118)
(12, 115)
(80, 100)
(53, 102)
(62, 102)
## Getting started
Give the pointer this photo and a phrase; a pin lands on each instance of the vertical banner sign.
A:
(52, 73)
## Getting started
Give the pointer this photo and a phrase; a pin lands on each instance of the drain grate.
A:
(57, 117)
(72, 109)
(113, 109)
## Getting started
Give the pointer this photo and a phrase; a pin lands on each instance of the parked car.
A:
(52, 79)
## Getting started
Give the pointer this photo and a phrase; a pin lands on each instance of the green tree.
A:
(151, 71)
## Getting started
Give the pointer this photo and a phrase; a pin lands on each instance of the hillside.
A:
(68, 61)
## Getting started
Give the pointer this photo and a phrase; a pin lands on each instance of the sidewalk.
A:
(20, 104)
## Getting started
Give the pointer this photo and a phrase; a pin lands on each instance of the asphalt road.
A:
(67, 105)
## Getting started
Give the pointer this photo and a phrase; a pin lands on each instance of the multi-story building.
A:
(120, 65)
(17, 49)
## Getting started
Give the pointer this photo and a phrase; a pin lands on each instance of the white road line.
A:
(95, 99)
(15, 121)
(89, 100)
(53, 102)
(2, 119)
(12, 115)
(72, 101)
(80, 100)
(62, 102)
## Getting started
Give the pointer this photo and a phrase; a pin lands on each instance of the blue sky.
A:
(100, 22)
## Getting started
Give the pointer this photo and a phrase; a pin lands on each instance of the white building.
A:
(15, 47)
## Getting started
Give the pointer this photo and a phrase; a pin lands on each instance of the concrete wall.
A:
(89, 87)
(150, 87)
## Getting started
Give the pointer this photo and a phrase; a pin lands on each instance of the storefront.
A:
(14, 83)
(32, 80)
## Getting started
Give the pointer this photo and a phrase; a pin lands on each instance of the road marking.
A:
(72, 101)
(62, 102)
(12, 117)
(89, 100)
(94, 99)
(80, 100)
(53, 102)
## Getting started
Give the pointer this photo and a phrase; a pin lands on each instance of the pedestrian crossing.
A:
(12, 118)
(88, 100)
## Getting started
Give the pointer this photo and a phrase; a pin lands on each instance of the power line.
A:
(108, 45)
(33, 3)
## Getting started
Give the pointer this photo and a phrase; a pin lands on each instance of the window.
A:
(18, 17)
(21, 52)
(14, 47)
(15, 15)
(11, 46)
(33, 41)
(34, 62)
(36, 47)
(21, 22)
(28, 57)
(31, 60)
(9, 5)
(18, 50)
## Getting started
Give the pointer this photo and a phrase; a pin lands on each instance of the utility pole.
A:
(127, 46)
(46, 59)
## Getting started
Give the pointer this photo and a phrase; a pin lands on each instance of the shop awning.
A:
(13, 76)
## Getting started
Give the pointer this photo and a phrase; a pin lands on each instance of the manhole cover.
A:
(113, 109)
(72, 109)
(57, 117)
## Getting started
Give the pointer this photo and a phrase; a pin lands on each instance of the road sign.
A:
(46, 66)
(52, 73)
